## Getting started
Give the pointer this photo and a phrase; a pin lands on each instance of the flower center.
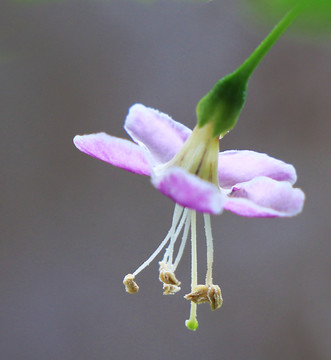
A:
(198, 155)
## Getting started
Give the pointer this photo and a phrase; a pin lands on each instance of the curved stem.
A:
(257, 55)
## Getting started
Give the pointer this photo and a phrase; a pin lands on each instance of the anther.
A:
(130, 286)
(203, 293)
(170, 289)
(214, 295)
(166, 276)
(198, 294)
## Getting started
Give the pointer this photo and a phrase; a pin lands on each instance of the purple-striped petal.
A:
(190, 191)
(161, 135)
(265, 197)
(237, 166)
(118, 152)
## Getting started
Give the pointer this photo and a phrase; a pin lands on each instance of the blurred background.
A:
(72, 226)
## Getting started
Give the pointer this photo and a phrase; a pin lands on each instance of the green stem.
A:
(250, 64)
(224, 102)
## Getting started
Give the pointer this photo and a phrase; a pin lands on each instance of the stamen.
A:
(210, 250)
(198, 295)
(167, 276)
(194, 250)
(214, 297)
(167, 269)
(203, 293)
(183, 243)
(168, 256)
(170, 289)
(177, 213)
(192, 323)
(130, 286)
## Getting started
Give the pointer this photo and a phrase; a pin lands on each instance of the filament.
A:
(192, 322)
(168, 256)
(210, 250)
(183, 242)
(177, 213)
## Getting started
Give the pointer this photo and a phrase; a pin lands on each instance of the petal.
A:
(237, 166)
(161, 135)
(190, 191)
(118, 152)
(265, 197)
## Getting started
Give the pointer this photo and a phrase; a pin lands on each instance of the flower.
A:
(187, 167)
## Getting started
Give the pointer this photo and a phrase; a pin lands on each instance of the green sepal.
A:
(223, 103)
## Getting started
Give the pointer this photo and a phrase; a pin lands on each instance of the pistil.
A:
(192, 322)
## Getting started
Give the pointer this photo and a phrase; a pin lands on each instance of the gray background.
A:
(72, 226)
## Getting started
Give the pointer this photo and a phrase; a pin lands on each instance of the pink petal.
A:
(265, 197)
(189, 191)
(237, 166)
(161, 135)
(118, 152)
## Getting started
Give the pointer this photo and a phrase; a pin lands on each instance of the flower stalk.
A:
(223, 104)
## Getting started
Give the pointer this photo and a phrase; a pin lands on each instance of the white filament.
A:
(194, 265)
(183, 242)
(177, 214)
(168, 256)
(210, 250)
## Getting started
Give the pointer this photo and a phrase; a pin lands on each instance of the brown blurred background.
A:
(72, 226)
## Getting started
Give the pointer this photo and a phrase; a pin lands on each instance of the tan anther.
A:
(215, 297)
(166, 276)
(130, 286)
(198, 294)
(203, 293)
(170, 289)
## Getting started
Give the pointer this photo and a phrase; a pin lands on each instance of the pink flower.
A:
(186, 166)
(252, 184)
